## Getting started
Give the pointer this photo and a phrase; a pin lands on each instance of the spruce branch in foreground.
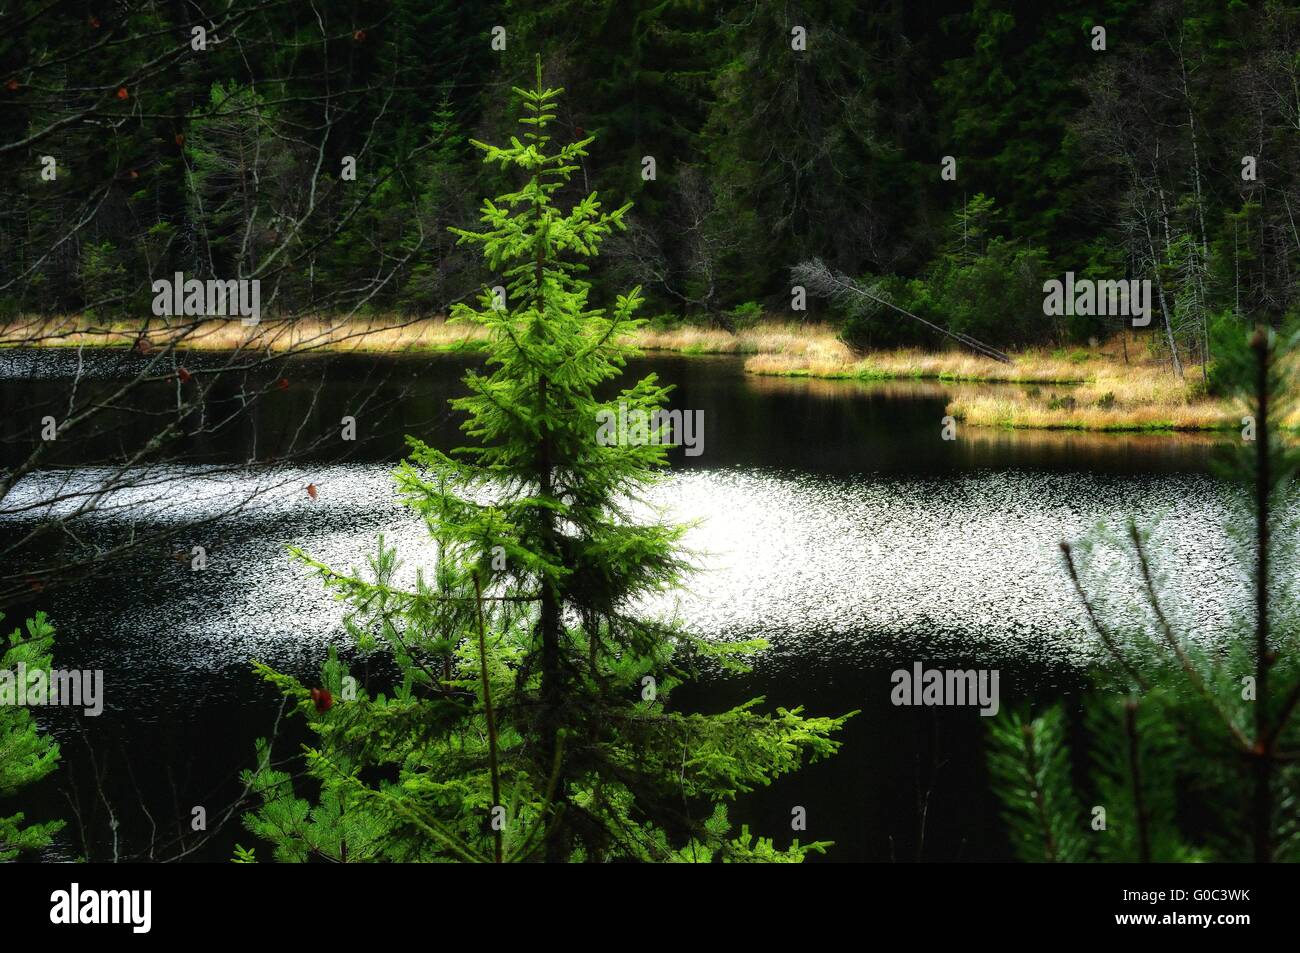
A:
(1178, 729)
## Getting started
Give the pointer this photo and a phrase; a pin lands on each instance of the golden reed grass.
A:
(391, 333)
(1117, 386)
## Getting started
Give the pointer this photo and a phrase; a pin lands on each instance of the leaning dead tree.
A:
(866, 300)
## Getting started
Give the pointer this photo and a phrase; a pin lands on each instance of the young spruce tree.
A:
(1194, 749)
(26, 755)
(530, 718)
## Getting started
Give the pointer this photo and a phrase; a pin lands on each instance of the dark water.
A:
(836, 524)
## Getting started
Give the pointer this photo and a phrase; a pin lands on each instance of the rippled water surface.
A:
(832, 521)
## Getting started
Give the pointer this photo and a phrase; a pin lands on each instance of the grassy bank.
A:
(1115, 387)
(1079, 389)
(395, 334)
(380, 334)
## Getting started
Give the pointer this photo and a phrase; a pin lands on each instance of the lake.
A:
(835, 523)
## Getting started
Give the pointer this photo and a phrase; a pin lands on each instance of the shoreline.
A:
(1087, 389)
(1083, 389)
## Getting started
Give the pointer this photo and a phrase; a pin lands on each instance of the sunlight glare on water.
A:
(822, 567)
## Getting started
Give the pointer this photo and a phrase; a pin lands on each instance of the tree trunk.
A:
(1263, 799)
(1164, 307)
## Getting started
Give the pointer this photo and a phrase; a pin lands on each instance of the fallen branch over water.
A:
(860, 299)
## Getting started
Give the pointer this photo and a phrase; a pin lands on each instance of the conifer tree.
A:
(26, 755)
(530, 720)
(1177, 729)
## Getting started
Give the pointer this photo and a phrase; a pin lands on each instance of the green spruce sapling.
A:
(530, 717)
(26, 755)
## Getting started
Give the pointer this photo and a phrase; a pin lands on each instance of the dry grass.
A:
(1029, 367)
(796, 342)
(1095, 407)
(1084, 389)
(389, 334)
(1114, 396)
(394, 333)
